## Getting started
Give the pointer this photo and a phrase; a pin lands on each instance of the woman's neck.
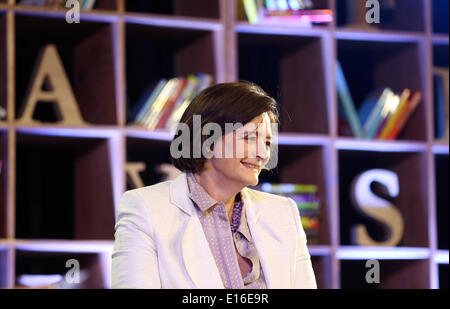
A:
(218, 187)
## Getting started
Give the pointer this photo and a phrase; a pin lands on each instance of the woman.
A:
(206, 229)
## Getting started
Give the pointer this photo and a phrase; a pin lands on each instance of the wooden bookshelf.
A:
(60, 184)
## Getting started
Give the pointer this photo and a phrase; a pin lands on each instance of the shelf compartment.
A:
(153, 53)
(59, 182)
(274, 63)
(94, 268)
(442, 200)
(152, 153)
(440, 11)
(3, 182)
(87, 53)
(394, 274)
(371, 65)
(191, 8)
(322, 271)
(397, 18)
(443, 276)
(304, 165)
(412, 200)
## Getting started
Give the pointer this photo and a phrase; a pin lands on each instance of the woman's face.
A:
(240, 155)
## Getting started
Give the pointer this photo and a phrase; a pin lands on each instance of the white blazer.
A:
(159, 240)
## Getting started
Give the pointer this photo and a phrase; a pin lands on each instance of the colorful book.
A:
(183, 100)
(396, 116)
(347, 101)
(153, 116)
(146, 108)
(378, 114)
(168, 108)
(412, 104)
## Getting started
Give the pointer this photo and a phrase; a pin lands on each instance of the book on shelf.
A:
(297, 12)
(84, 4)
(346, 100)
(382, 115)
(162, 107)
(441, 103)
(307, 201)
(411, 105)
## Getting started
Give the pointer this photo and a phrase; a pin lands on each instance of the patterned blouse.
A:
(225, 238)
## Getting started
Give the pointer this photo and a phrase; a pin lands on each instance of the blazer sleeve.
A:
(134, 258)
(304, 273)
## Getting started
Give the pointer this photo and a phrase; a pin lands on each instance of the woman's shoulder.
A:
(260, 196)
(160, 189)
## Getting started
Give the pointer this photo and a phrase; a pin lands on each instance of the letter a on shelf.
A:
(49, 70)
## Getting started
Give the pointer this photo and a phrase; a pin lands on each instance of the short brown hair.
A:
(237, 102)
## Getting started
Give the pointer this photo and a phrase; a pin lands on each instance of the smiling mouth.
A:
(250, 165)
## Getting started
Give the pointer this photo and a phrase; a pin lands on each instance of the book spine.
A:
(186, 96)
(395, 117)
(143, 113)
(412, 105)
(159, 104)
(378, 114)
(347, 101)
(251, 10)
(171, 103)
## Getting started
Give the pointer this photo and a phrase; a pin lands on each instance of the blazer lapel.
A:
(271, 247)
(196, 254)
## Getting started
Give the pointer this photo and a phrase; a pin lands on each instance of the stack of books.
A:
(308, 203)
(441, 104)
(298, 12)
(383, 115)
(84, 4)
(161, 107)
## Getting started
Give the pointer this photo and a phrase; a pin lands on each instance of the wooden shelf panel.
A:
(379, 145)
(155, 20)
(381, 253)
(274, 63)
(374, 35)
(441, 257)
(64, 246)
(70, 174)
(412, 201)
(394, 274)
(370, 65)
(88, 58)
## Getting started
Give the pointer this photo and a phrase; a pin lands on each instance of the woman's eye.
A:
(268, 144)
